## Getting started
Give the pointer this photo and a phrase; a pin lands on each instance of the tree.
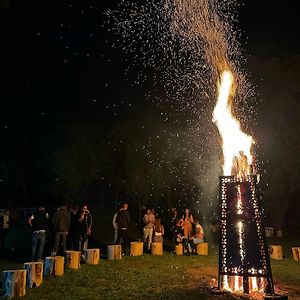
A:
(74, 168)
(75, 161)
(8, 182)
(279, 130)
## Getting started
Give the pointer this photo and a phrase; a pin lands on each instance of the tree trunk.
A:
(296, 253)
(157, 248)
(92, 256)
(136, 248)
(179, 249)
(114, 252)
(169, 200)
(280, 212)
(140, 215)
(59, 266)
(72, 259)
(49, 266)
(116, 199)
(275, 252)
(14, 283)
(34, 277)
(54, 266)
(202, 249)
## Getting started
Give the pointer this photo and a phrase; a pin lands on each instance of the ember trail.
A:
(200, 47)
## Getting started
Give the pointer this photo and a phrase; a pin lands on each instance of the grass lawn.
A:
(150, 277)
(144, 277)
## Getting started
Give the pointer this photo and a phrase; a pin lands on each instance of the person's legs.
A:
(115, 235)
(145, 232)
(85, 241)
(82, 242)
(70, 241)
(118, 240)
(174, 237)
(41, 240)
(150, 234)
(145, 235)
(189, 244)
(34, 245)
(126, 240)
(123, 236)
(64, 241)
(185, 243)
(56, 241)
(75, 242)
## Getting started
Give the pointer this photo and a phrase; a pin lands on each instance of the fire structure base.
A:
(277, 297)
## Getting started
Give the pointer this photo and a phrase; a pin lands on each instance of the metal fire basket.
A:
(244, 264)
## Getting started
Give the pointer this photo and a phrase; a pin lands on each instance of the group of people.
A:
(189, 232)
(71, 227)
(179, 229)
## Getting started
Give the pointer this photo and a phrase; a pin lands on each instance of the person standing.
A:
(188, 222)
(158, 232)
(149, 220)
(4, 226)
(74, 231)
(61, 223)
(85, 225)
(38, 222)
(123, 220)
(115, 226)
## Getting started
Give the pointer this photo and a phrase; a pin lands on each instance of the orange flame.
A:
(236, 144)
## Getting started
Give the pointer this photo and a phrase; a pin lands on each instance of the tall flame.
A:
(236, 144)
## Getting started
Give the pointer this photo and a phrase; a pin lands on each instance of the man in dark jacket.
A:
(61, 224)
(38, 222)
(123, 220)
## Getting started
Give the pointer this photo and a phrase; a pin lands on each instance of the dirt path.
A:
(206, 278)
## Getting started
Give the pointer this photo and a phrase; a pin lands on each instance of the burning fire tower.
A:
(244, 264)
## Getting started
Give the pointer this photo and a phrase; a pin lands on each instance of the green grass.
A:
(144, 277)
(154, 277)
(286, 270)
(287, 243)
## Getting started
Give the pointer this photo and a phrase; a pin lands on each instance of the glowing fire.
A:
(236, 144)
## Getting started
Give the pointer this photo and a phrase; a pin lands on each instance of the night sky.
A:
(270, 22)
(57, 64)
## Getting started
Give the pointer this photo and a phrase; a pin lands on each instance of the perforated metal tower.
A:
(244, 263)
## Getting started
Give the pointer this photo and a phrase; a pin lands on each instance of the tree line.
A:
(154, 162)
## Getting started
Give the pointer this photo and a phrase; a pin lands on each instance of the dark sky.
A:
(57, 64)
(271, 22)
